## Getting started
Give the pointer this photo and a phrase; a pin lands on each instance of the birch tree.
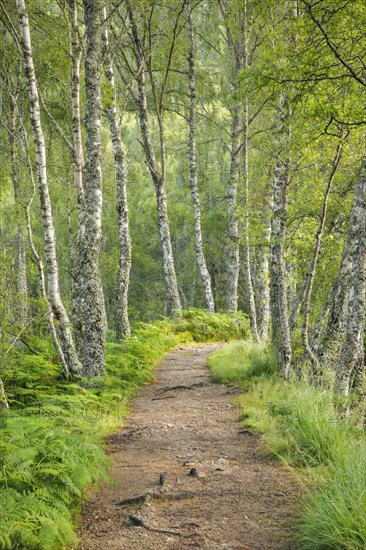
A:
(125, 253)
(54, 296)
(332, 335)
(36, 256)
(3, 400)
(281, 337)
(235, 45)
(245, 181)
(351, 363)
(201, 260)
(238, 183)
(22, 294)
(90, 279)
(78, 166)
(310, 275)
(158, 174)
(262, 276)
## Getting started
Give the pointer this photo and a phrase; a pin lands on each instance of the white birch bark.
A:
(353, 351)
(123, 328)
(262, 288)
(3, 400)
(245, 177)
(42, 282)
(158, 177)
(22, 296)
(36, 257)
(333, 336)
(310, 275)
(247, 272)
(321, 321)
(78, 166)
(200, 256)
(90, 279)
(233, 259)
(281, 337)
(54, 295)
(239, 171)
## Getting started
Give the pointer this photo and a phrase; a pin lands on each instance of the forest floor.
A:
(218, 489)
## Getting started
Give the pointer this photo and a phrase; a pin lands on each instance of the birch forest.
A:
(177, 172)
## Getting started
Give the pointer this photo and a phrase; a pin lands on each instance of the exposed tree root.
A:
(139, 521)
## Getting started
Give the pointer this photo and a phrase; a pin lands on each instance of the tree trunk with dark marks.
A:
(262, 288)
(310, 275)
(78, 165)
(90, 279)
(233, 218)
(22, 291)
(3, 400)
(24, 143)
(281, 337)
(332, 338)
(54, 296)
(245, 180)
(321, 321)
(123, 328)
(201, 261)
(158, 176)
(39, 263)
(353, 352)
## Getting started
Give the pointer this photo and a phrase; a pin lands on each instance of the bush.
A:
(206, 327)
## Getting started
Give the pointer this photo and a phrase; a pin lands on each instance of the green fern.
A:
(51, 439)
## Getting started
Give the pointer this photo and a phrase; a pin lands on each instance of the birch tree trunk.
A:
(123, 328)
(353, 352)
(42, 283)
(245, 173)
(238, 45)
(310, 275)
(54, 296)
(262, 288)
(158, 177)
(22, 296)
(333, 336)
(233, 259)
(3, 400)
(201, 260)
(90, 279)
(321, 321)
(24, 143)
(281, 337)
(246, 243)
(78, 165)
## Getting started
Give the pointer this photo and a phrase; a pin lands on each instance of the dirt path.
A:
(234, 498)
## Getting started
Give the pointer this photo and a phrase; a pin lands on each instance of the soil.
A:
(201, 480)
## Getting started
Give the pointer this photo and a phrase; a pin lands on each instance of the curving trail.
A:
(234, 498)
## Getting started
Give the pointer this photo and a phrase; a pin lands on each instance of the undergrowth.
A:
(301, 425)
(52, 438)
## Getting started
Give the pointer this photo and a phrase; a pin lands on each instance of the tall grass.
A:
(52, 438)
(301, 425)
(334, 516)
(240, 361)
